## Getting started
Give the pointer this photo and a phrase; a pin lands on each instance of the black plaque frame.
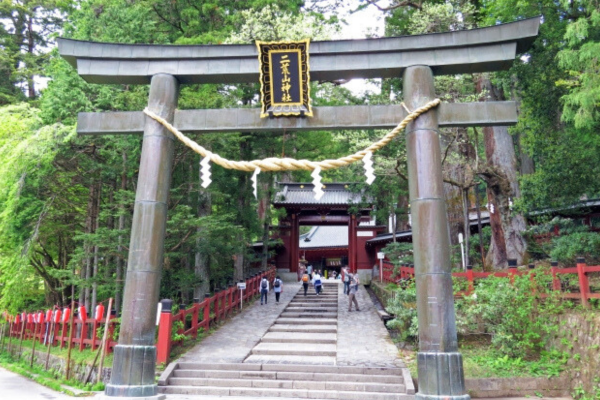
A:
(300, 105)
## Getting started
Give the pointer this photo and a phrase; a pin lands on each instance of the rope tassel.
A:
(316, 174)
(369, 171)
(205, 170)
(254, 182)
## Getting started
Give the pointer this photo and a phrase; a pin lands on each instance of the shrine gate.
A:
(414, 58)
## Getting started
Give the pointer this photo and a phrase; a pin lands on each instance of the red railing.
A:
(85, 333)
(581, 270)
(202, 314)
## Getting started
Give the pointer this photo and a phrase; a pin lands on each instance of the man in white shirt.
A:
(264, 290)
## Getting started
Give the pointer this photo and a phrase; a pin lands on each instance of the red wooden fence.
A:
(582, 270)
(85, 332)
(203, 314)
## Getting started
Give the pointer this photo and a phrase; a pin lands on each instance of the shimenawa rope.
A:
(290, 164)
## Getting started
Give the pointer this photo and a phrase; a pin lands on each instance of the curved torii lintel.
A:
(476, 50)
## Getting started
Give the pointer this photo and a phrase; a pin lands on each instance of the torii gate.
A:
(416, 58)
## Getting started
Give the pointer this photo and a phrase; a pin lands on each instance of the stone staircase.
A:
(304, 333)
(295, 358)
(289, 381)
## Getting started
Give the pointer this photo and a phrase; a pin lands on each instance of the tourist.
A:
(317, 282)
(347, 278)
(264, 290)
(305, 281)
(277, 286)
(354, 282)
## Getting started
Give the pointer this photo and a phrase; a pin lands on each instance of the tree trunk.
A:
(96, 250)
(507, 241)
(119, 272)
(201, 260)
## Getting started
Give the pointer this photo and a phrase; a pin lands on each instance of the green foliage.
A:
(579, 393)
(566, 248)
(399, 252)
(403, 305)
(518, 324)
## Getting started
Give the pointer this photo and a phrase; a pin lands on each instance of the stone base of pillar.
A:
(133, 376)
(156, 397)
(420, 396)
(441, 376)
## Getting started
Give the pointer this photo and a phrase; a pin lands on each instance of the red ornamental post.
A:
(84, 328)
(584, 284)
(555, 280)
(470, 278)
(66, 317)
(165, 326)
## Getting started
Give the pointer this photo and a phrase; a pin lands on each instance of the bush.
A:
(580, 244)
(518, 323)
(403, 306)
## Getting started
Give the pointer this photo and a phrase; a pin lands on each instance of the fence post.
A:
(470, 278)
(584, 284)
(532, 279)
(206, 312)
(555, 280)
(165, 325)
(512, 269)
(195, 316)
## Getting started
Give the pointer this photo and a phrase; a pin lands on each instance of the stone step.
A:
(304, 328)
(311, 315)
(338, 370)
(284, 360)
(292, 349)
(312, 309)
(307, 321)
(299, 338)
(304, 303)
(290, 384)
(277, 392)
(283, 375)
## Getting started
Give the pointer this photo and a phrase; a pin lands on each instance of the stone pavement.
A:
(363, 339)
(232, 342)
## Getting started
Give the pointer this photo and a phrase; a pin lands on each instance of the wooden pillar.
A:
(352, 244)
(135, 355)
(439, 362)
(294, 243)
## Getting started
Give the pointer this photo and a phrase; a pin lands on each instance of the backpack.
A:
(263, 284)
(277, 283)
(305, 278)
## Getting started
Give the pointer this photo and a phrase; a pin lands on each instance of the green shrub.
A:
(579, 244)
(403, 305)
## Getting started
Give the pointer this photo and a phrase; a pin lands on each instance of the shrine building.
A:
(335, 229)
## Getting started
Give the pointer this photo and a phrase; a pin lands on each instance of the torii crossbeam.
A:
(416, 58)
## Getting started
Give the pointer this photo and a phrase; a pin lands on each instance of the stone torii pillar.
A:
(439, 362)
(135, 355)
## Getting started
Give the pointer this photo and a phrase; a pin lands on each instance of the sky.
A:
(368, 22)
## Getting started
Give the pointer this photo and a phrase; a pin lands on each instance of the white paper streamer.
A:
(490, 207)
(317, 183)
(254, 184)
(205, 163)
(369, 167)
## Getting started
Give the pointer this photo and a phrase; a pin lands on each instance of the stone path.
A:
(363, 339)
(232, 342)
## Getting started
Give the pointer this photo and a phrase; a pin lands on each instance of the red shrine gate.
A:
(333, 209)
